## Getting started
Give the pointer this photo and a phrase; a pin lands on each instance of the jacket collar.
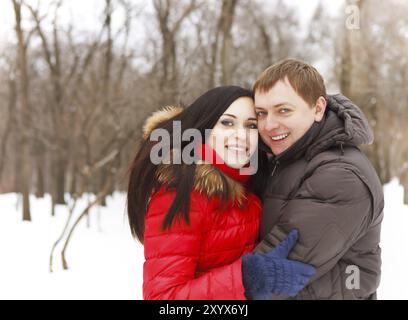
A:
(299, 148)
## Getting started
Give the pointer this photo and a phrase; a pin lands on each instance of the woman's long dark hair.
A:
(202, 114)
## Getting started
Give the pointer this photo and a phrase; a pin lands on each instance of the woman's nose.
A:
(240, 135)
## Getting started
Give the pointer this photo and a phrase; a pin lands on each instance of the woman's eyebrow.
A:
(230, 115)
(254, 119)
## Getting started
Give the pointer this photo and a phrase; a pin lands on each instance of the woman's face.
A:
(235, 136)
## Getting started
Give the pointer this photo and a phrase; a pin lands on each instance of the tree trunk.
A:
(25, 122)
(223, 33)
(404, 183)
(60, 171)
(228, 12)
(40, 190)
(11, 123)
(17, 163)
(169, 79)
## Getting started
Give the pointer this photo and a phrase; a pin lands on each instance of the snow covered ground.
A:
(106, 263)
(394, 244)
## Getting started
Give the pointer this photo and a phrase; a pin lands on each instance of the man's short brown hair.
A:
(304, 78)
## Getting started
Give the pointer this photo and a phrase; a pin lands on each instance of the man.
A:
(320, 183)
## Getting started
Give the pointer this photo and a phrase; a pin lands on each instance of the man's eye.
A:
(284, 110)
(227, 123)
(260, 114)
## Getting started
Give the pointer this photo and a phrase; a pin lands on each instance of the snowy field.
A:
(106, 263)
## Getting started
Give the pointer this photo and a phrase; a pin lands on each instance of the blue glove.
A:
(270, 273)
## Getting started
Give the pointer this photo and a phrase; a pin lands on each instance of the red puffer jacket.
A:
(201, 260)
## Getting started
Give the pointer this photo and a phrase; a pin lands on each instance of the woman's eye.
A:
(252, 126)
(227, 123)
(260, 114)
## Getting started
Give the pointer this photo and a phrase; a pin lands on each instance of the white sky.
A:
(86, 14)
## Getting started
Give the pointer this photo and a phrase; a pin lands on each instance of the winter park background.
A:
(77, 79)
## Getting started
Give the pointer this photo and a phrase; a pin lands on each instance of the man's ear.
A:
(320, 108)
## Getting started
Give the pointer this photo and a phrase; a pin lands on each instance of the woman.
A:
(198, 220)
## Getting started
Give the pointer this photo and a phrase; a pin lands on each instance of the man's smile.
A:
(280, 137)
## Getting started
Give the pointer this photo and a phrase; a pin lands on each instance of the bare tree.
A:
(107, 164)
(11, 122)
(25, 112)
(223, 39)
(169, 25)
(53, 59)
(101, 118)
(374, 77)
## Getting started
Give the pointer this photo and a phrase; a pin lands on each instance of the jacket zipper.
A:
(274, 168)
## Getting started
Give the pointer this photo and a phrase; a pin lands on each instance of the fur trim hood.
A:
(208, 181)
(159, 117)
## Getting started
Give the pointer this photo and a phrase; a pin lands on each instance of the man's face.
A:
(284, 117)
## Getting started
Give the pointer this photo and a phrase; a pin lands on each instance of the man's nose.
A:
(271, 123)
